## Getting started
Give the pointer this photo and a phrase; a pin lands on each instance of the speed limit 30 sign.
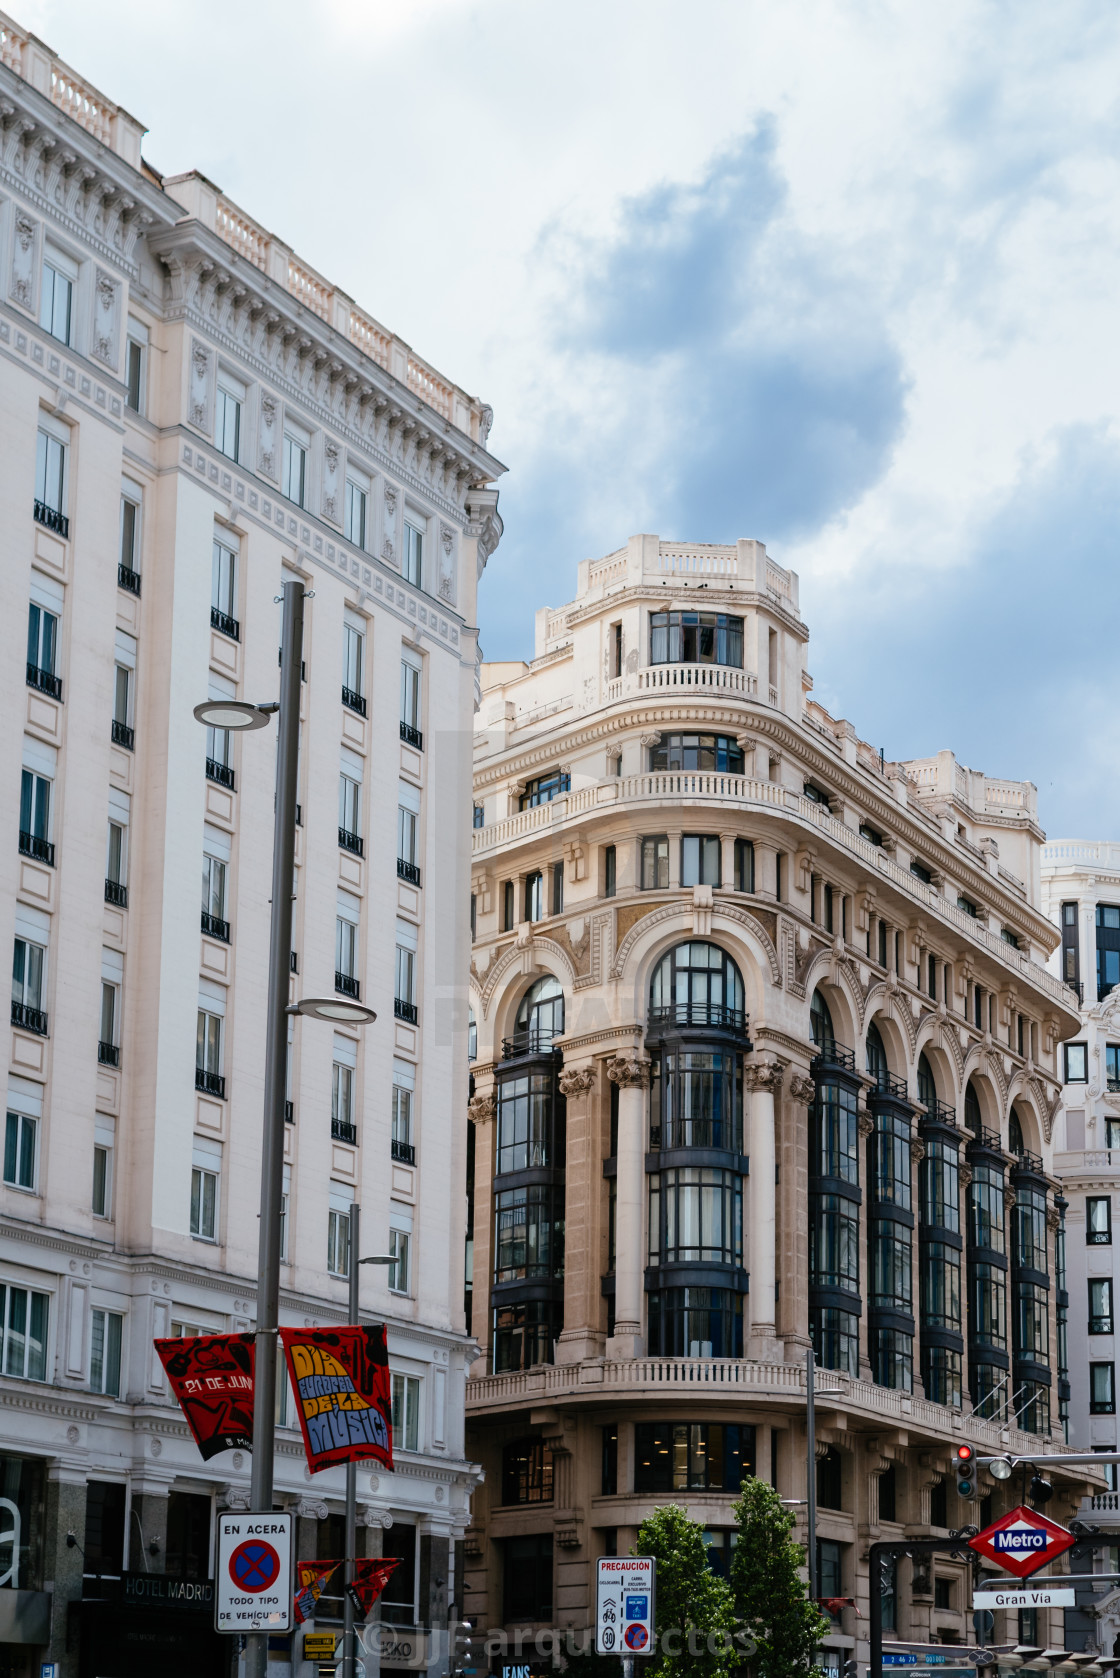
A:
(624, 1607)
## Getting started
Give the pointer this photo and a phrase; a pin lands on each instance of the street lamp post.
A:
(349, 1637)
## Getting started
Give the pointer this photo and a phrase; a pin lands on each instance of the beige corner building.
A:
(189, 413)
(766, 1057)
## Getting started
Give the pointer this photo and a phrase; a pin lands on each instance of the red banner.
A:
(312, 1576)
(212, 1377)
(340, 1377)
(371, 1575)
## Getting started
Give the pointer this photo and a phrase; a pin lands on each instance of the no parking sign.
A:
(624, 1605)
(254, 1583)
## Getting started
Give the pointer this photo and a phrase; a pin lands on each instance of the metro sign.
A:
(1022, 1541)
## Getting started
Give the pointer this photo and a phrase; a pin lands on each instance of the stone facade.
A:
(763, 1035)
(189, 413)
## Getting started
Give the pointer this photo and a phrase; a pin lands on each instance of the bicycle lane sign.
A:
(254, 1573)
(624, 1605)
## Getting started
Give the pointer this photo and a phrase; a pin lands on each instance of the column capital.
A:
(764, 1075)
(802, 1089)
(482, 1108)
(629, 1071)
(576, 1080)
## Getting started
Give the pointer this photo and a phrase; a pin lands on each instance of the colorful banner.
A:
(340, 1377)
(212, 1377)
(371, 1575)
(311, 1577)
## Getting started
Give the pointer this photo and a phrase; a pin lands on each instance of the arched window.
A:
(1015, 1134)
(697, 984)
(540, 1017)
(820, 1022)
(972, 1110)
(927, 1089)
(876, 1055)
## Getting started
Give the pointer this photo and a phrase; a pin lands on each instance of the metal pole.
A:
(811, 1476)
(349, 1649)
(875, 1606)
(276, 1055)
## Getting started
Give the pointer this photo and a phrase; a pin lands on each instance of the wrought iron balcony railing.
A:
(128, 579)
(408, 871)
(224, 624)
(42, 850)
(404, 1152)
(31, 1019)
(52, 518)
(412, 736)
(353, 700)
(210, 1083)
(45, 680)
(215, 927)
(116, 893)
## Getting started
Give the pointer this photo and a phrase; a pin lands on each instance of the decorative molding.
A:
(764, 1075)
(576, 1080)
(482, 1108)
(802, 1089)
(629, 1072)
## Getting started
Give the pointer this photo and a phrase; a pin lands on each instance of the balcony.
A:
(219, 772)
(289, 1112)
(408, 871)
(1026, 1161)
(52, 519)
(31, 845)
(831, 1053)
(403, 1152)
(210, 1083)
(215, 927)
(412, 736)
(347, 985)
(352, 842)
(531, 1041)
(692, 1014)
(224, 624)
(1078, 989)
(293, 962)
(343, 1131)
(116, 893)
(31, 1019)
(887, 1084)
(353, 701)
(123, 735)
(108, 1054)
(128, 579)
(45, 680)
(941, 1111)
(405, 1010)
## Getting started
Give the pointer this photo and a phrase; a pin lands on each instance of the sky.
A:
(839, 276)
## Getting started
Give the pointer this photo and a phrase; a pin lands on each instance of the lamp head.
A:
(339, 1009)
(1001, 1469)
(235, 714)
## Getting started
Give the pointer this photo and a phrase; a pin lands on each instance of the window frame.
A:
(1098, 1237)
(111, 1358)
(1083, 1058)
(32, 1298)
(1102, 1388)
(224, 401)
(293, 456)
(205, 1202)
(53, 264)
(21, 1148)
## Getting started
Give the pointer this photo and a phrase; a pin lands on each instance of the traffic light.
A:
(964, 1461)
(851, 1669)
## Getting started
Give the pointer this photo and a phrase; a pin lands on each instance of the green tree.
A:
(770, 1599)
(695, 1615)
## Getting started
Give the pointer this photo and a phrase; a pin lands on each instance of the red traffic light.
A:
(964, 1453)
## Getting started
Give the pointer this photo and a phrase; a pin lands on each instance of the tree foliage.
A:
(770, 1598)
(695, 1615)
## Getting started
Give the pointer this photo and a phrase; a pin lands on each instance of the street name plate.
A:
(1015, 1596)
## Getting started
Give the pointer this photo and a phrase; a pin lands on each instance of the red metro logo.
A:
(1022, 1541)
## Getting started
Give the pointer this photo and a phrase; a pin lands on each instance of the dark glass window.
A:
(544, 789)
(834, 1244)
(835, 1336)
(1108, 948)
(696, 1100)
(830, 1489)
(523, 1334)
(939, 1185)
(941, 1286)
(529, 1234)
(1033, 1403)
(989, 1305)
(695, 638)
(1098, 1220)
(525, 1122)
(892, 1359)
(829, 1573)
(834, 1134)
(22, 1484)
(692, 1456)
(941, 1374)
(526, 1472)
(527, 1583)
(922, 873)
(700, 859)
(695, 1216)
(1032, 1322)
(188, 1535)
(939, 1503)
(697, 984)
(744, 865)
(820, 1023)
(655, 862)
(892, 1159)
(972, 1119)
(398, 1604)
(1102, 1389)
(609, 1485)
(888, 1495)
(104, 1534)
(540, 1014)
(1029, 1226)
(718, 752)
(695, 1323)
(890, 1266)
(986, 1207)
(610, 870)
(719, 1543)
(815, 795)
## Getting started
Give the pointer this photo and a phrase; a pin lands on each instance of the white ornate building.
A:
(767, 1055)
(189, 413)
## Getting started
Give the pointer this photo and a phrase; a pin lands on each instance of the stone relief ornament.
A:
(200, 384)
(330, 481)
(105, 319)
(763, 1075)
(267, 453)
(802, 1089)
(629, 1072)
(446, 586)
(23, 260)
(576, 1080)
(485, 421)
(482, 1108)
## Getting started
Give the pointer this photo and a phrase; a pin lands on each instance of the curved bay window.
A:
(697, 984)
(718, 752)
(695, 638)
(544, 789)
(527, 1283)
(1030, 1287)
(940, 1247)
(695, 1277)
(989, 1366)
(891, 1224)
(834, 1200)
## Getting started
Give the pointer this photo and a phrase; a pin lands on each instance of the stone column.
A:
(65, 1512)
(764, 1081)
(147, 1527)
(727, 861)
(792, 1197)
(631, 1073)
(482, 1109)
(581, 1336)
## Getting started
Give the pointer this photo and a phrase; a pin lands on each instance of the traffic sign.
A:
(1022, 1541)
(254, 1573)
(1014, 1596)
(624, 1605)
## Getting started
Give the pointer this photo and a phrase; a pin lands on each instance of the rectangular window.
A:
(50, 473)
(692, 1456)
(56, 301)
(338, 1242)
(223, 591)
(20, 1149)
(294, 478)
(610, 870)
(349, 807)
(557, 888)
(406, 977)
(406, 1412)
(700, 859)
(29, 962)
(208, 1043)
(110, 1006)
(507, 906)
(534, 897)
(342, 1103)
(402, 1106)
(355, 520)
(412, 566)
(227, 424)
(1077, 1069)
(1098, 1220)
(527, 1593)
(399, 1244)
(655, 862)
(609, 1479)
(24, 1320)
(205, 1180)
(1100, 1305)
(1102, 1389)
(353, 658)
(35, 816)
(135, 368)
(411, 724)
(129, 559)
(105, 1352)
(104, 1137)
(744, 865)
(214, 919)
(526, 1471)
(544, 788)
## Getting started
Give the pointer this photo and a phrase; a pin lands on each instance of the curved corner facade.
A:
(766, 1056)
